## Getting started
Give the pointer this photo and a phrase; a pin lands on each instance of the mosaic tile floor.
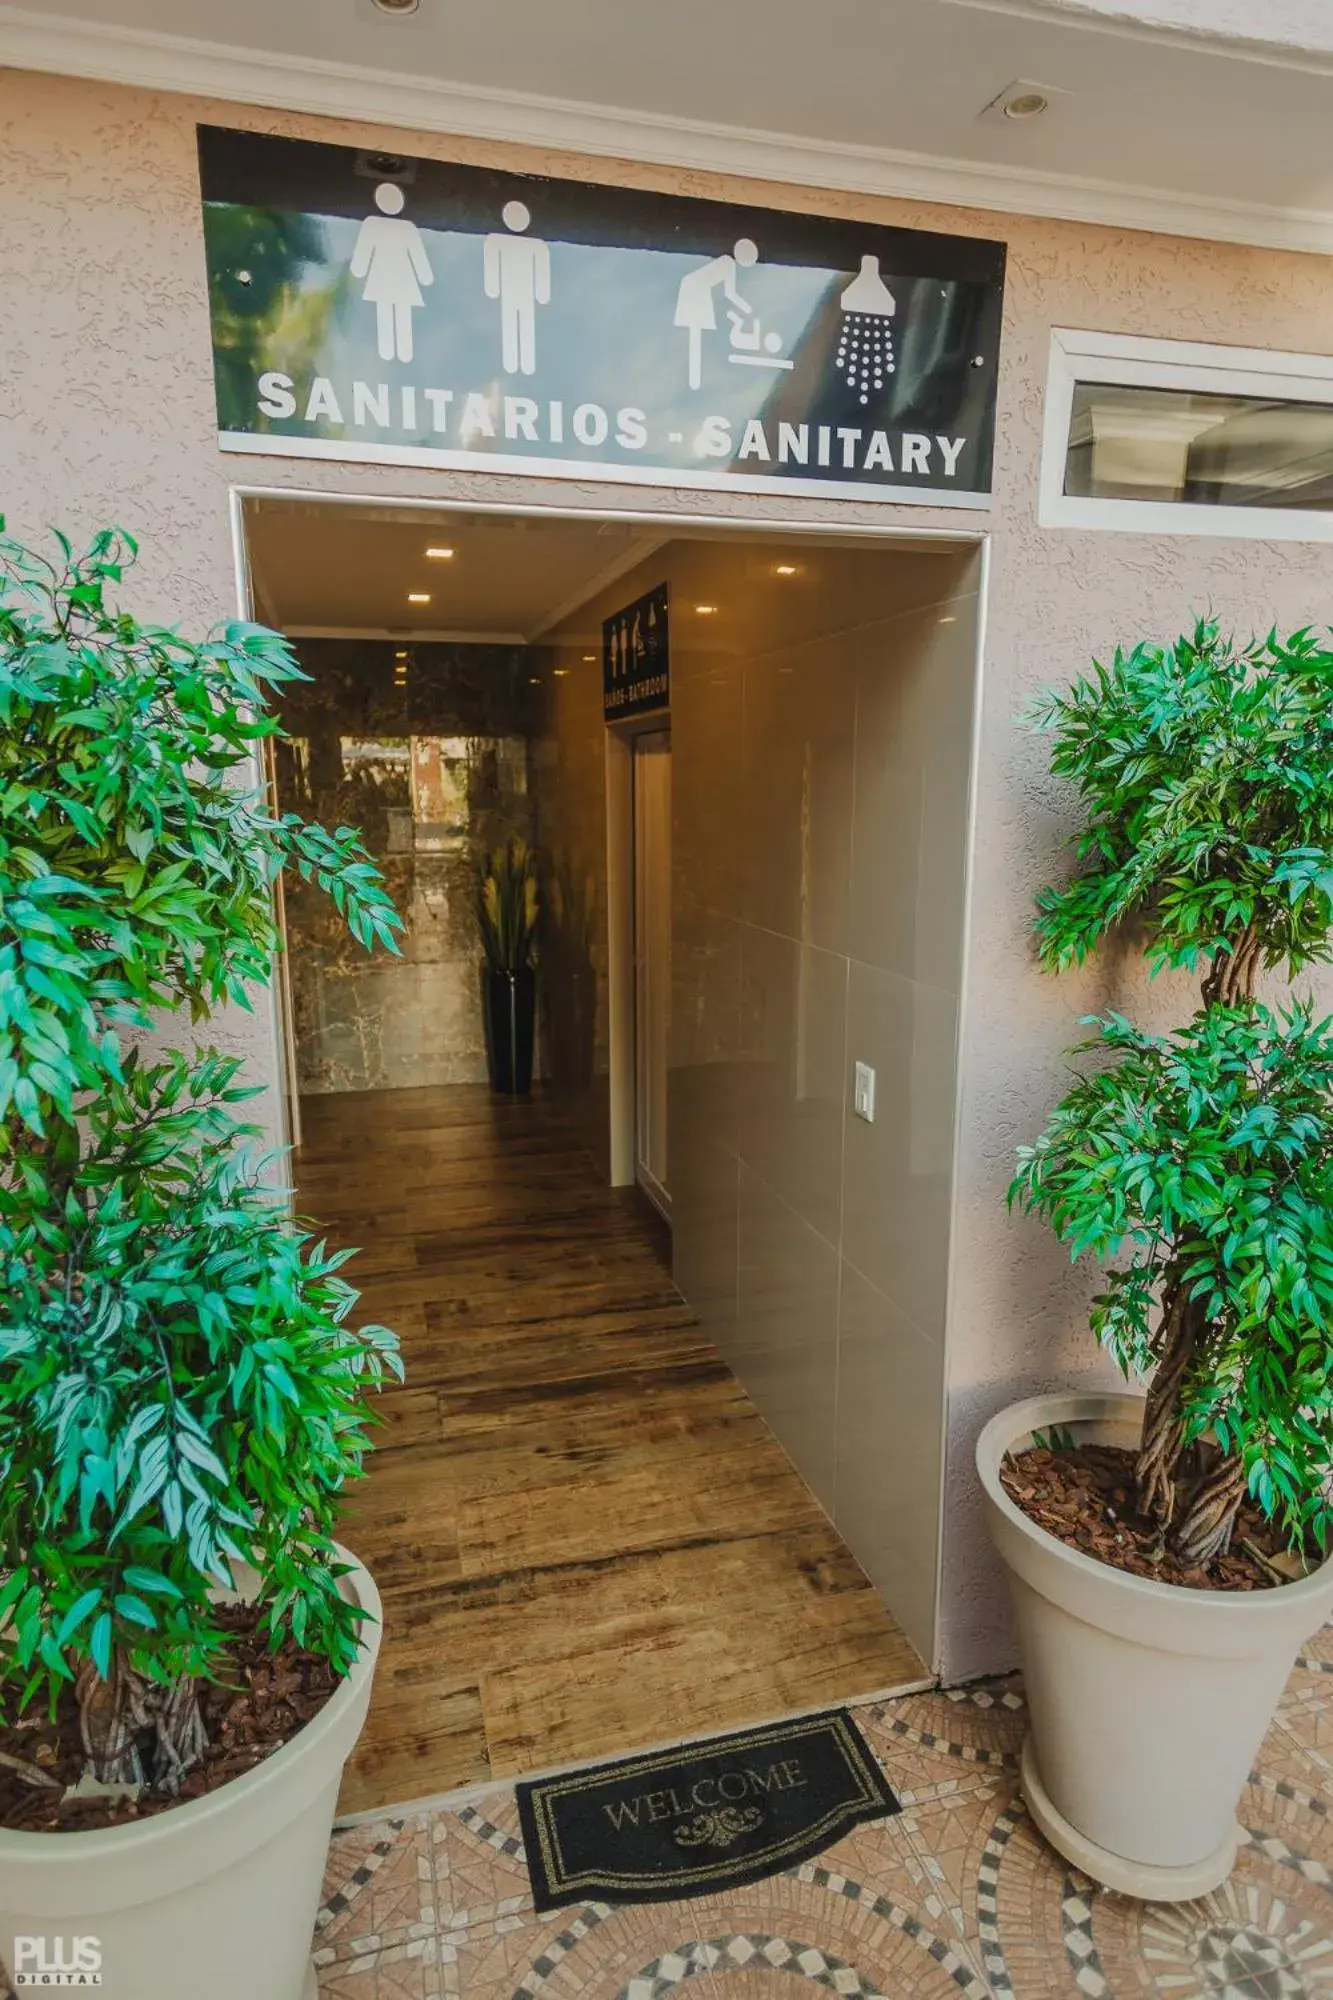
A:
(955, 1896)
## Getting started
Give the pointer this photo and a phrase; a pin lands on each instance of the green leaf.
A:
(101, 1645)
(135, 1610)
(148, 1583)
(81, 1608)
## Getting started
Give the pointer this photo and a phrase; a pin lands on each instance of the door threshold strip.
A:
(471, 1795)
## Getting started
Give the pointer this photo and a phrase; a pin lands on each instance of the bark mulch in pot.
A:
(1085, 1498)
(267, 1699)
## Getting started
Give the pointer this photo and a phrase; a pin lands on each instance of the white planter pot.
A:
(1147, 1701)
(216, 1898)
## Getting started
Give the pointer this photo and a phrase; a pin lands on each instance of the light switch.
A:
(863, 1093)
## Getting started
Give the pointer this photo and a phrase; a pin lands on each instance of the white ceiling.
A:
(335, 569)
(1166, 130)
(1280, 25)
(1303, 24)
(321, 569)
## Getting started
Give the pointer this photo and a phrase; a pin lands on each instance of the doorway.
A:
(639, 1483)
(652, 961)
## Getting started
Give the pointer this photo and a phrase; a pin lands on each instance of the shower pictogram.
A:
(865, 345)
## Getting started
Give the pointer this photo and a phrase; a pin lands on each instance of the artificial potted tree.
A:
(185, 1650)
(1167, 1553)
(507, 907)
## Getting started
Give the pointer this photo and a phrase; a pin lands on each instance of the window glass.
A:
(1192, 446)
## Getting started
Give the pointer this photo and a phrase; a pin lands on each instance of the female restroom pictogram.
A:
(391, 256)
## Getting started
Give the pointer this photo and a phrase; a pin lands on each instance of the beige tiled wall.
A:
(821, 775)
(821, 726)
(569, 787)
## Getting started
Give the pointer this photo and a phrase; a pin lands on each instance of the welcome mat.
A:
(704, 1817)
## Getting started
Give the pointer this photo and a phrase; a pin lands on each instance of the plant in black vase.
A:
(507, 910)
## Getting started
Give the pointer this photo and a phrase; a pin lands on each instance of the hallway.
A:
(585, 1536)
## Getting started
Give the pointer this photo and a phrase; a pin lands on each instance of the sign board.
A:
(636, 657)
(404, 311)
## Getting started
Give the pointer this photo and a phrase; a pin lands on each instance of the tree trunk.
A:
(1206, 1526)
(1160, 1446)
(137, 1731)
(1232, 974)
(1201, 1525)
(1205, 1522)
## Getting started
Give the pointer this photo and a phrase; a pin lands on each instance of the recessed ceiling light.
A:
(950, 620)
(589, 659)
(400, 656)
(560, 672)
(440, 555)
(395, 6)
(705, 610)
(418, 597)
(784, 569)
(534, 680)
(1022, 99)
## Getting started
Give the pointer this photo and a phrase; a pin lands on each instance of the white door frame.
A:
(656, 729)
(276, 999)
(601, 504)
(621, 969)
(620, 998)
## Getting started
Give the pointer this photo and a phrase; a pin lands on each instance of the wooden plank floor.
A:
(586, 1537)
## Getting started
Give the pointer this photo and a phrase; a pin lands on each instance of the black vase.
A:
(569, 1022)
(509, 1016)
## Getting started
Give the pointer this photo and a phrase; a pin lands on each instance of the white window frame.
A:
(1130, 362)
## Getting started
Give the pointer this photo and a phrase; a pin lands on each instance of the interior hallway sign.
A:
(402, 311)
(636, 656)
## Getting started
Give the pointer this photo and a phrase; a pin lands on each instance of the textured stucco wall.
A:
(106, 412)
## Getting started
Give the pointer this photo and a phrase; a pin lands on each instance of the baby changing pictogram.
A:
(751, 345)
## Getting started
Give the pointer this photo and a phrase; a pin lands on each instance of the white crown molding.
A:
(96, 52)
(1274, 51)
(640, 551)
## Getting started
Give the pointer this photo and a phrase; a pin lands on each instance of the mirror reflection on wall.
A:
(427, 750)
